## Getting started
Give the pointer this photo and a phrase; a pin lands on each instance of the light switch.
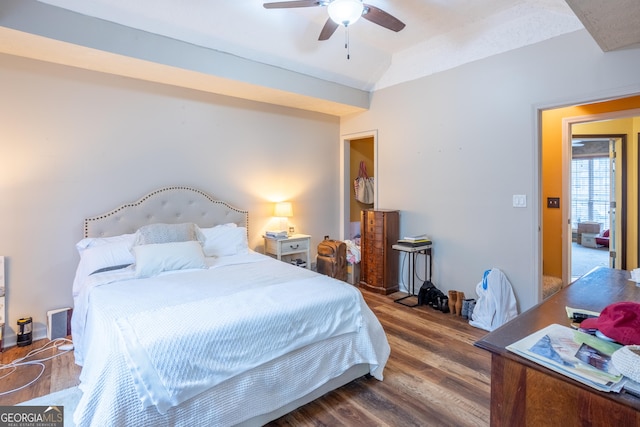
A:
(519, 201)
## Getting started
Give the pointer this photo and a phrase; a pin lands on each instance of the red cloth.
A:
(619, 321)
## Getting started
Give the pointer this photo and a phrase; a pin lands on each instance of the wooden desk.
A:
(524, 393)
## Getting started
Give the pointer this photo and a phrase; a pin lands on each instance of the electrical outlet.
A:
(553, 202)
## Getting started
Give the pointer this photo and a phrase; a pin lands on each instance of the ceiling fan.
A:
(344, 12)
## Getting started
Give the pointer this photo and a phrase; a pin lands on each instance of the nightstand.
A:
(292, 245)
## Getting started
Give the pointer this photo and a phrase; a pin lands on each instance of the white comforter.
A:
(148, 345)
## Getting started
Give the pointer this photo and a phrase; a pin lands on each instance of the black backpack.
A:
(434, 297)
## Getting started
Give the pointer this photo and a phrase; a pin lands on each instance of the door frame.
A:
(567, 122)
(620, 217)
(345, 184)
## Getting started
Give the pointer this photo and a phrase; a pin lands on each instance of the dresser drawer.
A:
(293, 248)
(295, 245)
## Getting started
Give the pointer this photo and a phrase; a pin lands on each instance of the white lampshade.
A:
(345, 12)
(283, 209)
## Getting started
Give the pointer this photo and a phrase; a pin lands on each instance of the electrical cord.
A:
(417, 270)
(21, 361)
(404, 258)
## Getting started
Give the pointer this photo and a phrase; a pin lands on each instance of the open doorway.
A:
(361, 161)
(594, 178)
(356, 147)
(620, 129)
(558, 125)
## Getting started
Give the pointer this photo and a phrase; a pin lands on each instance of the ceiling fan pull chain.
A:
(346, 42)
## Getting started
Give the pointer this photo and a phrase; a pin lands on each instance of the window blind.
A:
(590, 188)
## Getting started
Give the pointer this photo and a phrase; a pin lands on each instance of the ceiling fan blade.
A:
(382, 18)
(327, 31)
(290, 4)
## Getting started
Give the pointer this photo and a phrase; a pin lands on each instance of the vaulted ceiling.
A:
(240, 48)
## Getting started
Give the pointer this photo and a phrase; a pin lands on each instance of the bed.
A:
(177, 322)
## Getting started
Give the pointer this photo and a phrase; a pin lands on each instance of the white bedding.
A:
(116, 316)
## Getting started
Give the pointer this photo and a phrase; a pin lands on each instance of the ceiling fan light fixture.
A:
(345, 12)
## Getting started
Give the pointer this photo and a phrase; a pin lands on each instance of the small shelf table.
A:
(292, 245)
(413, 252)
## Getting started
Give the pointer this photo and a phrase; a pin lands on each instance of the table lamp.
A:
(284, 211)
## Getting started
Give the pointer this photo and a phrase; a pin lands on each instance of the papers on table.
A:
(578, 355)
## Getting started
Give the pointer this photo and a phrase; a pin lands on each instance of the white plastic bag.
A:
(496, 303)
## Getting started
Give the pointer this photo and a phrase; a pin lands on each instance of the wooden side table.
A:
(297, 244)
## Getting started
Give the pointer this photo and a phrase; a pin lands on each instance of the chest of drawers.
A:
(380, 230)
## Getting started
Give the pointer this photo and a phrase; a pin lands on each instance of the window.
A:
(590, 189)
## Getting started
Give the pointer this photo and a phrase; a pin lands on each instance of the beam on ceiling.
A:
(40, 31)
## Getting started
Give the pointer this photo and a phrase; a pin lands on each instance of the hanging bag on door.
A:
(363, 186)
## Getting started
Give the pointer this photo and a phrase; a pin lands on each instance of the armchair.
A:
(603, 238)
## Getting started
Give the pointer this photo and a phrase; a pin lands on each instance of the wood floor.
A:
(435, 376)
(60, 373)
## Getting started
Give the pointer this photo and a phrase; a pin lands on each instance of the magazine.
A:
(573, 353)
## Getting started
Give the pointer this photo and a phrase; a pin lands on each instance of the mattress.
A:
(150, 355)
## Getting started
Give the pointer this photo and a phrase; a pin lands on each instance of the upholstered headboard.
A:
(170, 205)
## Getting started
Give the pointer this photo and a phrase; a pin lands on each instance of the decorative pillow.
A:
(166, 233)
(158, 257)
(225, 240)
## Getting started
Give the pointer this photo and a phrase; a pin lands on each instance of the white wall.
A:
(456, 146)
(76, 143)
(453, 150)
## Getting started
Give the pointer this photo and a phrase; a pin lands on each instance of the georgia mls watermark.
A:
(31, 416)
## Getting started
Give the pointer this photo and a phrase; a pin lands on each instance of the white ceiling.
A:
(439, 34)
(239, 48)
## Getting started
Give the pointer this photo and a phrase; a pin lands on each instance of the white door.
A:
(612, 205)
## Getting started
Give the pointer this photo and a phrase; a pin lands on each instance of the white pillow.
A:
(225, 240)
(158, 257)
(98, 255)
(90, 242)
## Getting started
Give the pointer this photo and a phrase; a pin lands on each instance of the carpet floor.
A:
(583, 259)
(67, 398)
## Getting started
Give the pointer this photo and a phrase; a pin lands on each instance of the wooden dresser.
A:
(524, 393)
(380, 230)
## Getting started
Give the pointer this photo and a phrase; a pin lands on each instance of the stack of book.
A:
(276, 234)
(415, 241)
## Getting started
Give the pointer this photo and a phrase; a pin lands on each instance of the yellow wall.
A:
(361, 149)
(551, 130)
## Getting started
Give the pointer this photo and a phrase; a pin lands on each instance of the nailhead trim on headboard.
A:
(174, 204)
